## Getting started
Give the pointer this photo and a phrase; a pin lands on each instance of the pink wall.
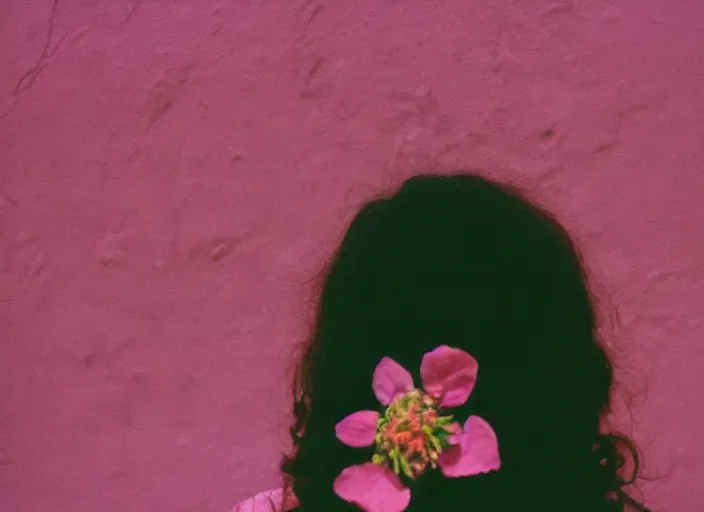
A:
(171, 174)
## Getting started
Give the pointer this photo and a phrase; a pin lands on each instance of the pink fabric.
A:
(267, 501)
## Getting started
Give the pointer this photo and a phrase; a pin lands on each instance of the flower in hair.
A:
(412, 434)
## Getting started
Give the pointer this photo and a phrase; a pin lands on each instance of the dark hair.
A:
(461, 261)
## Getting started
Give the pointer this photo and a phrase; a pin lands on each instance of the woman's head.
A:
(461, 261)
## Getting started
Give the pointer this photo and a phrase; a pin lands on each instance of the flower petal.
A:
(372, 487)
(449, 375)
(390, 380)
(358, 429)
(456, 433)
(478, 451)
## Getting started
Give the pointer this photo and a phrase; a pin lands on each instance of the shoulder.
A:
(267, 501)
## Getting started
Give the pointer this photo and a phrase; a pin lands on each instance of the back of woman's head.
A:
(460, 261)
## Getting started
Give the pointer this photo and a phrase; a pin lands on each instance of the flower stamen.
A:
(411, 434)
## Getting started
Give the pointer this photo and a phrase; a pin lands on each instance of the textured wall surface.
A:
(172, 173)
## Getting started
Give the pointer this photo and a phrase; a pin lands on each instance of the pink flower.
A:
(448, 375)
